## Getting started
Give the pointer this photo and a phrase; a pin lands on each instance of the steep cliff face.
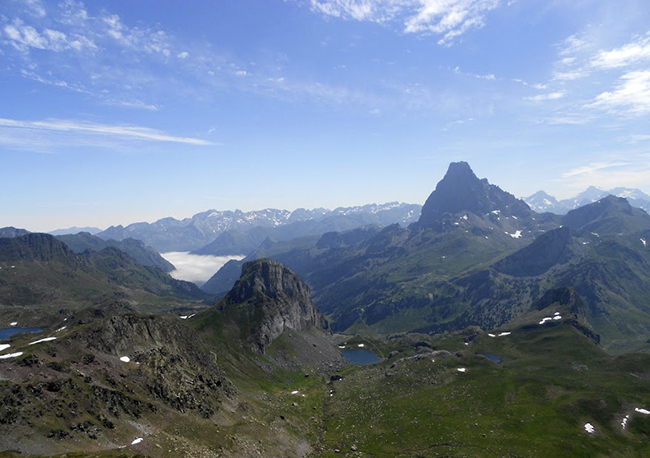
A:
(269, 298)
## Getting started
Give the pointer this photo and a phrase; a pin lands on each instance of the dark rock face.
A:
(537, 258)
(268, 298)
(461, 190)
(566, 296)
(569, 299)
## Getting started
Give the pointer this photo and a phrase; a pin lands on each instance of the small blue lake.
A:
(360, 356)
(492, 357)
(8, 332)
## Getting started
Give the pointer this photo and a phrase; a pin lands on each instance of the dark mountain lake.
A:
(8, 332)
(492, 357)
(360, 356)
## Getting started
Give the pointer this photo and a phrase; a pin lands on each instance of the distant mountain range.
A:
(75, 230)
(477, 256)
(543, 202)
(84, 241)
(244, 231)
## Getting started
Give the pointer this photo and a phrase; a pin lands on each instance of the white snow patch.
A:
(137, 441)
(545, 319)
(465, 217)
(341, 346)
(61, 329)
(590, 428)
(643, 411)
(505, 334)
(461, 369)
(47, 339)
(556, 313)
(13, 323)
(496, 212)
(466, 343)
(187, 317)
(643, 241)
(3, 347)
(557, 317)
(491, 335)
(624, 422)
(125, 359)
(11, 355)
(516, 235)
(361, 345)
(295, 392)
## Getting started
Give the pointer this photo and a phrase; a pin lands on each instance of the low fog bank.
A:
(195, 268)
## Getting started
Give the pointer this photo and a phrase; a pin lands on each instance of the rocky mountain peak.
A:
(461, 190)
(269, 297)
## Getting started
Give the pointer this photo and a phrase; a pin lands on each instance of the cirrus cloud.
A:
(446, 18)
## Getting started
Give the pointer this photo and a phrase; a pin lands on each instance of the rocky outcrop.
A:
(269, 298)
(572, 308)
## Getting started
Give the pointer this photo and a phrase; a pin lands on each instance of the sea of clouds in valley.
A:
(195, 268)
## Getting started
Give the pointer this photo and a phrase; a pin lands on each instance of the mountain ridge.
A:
(542, 202)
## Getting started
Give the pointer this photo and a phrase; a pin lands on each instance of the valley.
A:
(481, 329)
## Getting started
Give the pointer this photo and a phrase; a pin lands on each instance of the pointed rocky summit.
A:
(462, 191)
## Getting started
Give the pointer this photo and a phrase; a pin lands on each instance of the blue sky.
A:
(114, 112)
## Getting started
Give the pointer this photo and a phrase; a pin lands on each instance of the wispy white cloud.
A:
(23, 37)
(628, 54)
(638, 138)
(36, 7)
(139, 104)
(571, 75)
(450, 18)
(486, 76)
(128, 132)
(630, 97)
(617, 76)
(549, 96)
(446, 18)
(609, 174)
(592, 168)
(145, 40)
(569, 119)
(75, 87)
(103, 56)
